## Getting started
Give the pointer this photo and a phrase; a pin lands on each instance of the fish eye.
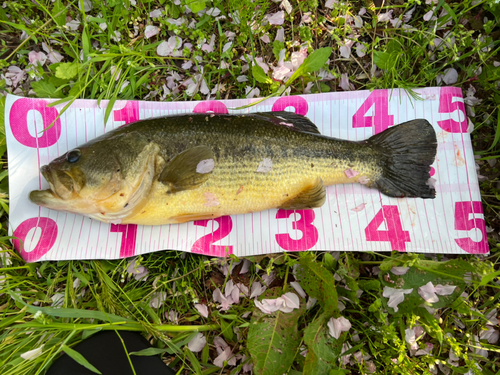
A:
(73, 156)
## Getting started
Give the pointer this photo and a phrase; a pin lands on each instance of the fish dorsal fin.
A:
(290, 119)
(189, 169)
(312, 196)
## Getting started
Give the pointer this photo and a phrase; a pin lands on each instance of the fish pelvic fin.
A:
(188, 170)
(313, 195)
(406, 152)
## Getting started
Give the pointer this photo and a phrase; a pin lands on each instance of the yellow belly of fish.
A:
(231, 191)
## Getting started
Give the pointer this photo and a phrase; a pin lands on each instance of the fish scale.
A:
(158, 182)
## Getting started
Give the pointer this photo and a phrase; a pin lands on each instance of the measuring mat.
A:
(353, 218)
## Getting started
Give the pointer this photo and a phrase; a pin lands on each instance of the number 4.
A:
(394, 233)
(381, 119)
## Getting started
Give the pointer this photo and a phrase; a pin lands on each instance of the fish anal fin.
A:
(184, 218)
(188, 170)
(312, 196)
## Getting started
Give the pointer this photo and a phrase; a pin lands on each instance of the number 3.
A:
(304, 224)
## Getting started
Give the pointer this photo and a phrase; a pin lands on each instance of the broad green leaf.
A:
(59, 17)
(323, 349)
(273, 339)
(80, 359)
(317, 59)
(67, 70)
(277, 47)
(451, 272)
(196, 5)
(318, 282)
(431, 323)
(44, 89)
(384, 60)
(259, 74)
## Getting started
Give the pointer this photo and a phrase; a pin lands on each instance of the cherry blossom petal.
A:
(151, 31)
(359, 208)
(205, 166)
(157, 299)
(337, 326)
(427, 292)
(224, 356)
(310, 303)
(202, 309)
(291, 301)
(385, 17)
(399, 270)
(450, 76)
(329, 3)
(197, 343)
(155, 13)
(32, 354)
(257, 289)
(266, 306)
(444, 290)
(295, 285)
(280, 35)
(345, 85)
(285, 4)
(37, 58)
(276, 18)
(396, 296)
(350, 173)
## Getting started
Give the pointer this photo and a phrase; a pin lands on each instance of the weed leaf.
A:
(259, 74)
(80, 359)
(67, 70)
(317, 59)
(273, 339)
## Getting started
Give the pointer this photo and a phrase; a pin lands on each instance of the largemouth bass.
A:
(181, 168)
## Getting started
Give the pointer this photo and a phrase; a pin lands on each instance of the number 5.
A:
(463, 210)
(450, 100)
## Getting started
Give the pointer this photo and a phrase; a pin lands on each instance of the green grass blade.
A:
(80, 359)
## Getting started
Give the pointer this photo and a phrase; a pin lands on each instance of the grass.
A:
(104, 53)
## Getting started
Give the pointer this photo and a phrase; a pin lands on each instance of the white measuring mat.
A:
(354, 217)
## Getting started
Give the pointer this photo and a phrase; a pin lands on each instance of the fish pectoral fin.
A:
(184, 218)
(189, 169)
(299, 122)
(312, 196)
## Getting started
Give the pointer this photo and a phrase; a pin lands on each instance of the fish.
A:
(181, 168)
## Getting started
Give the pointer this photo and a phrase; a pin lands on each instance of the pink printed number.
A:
(129, 236)
(394, 233)
(450, 100)
(304, 224)
(47, 238)
(19, 123)
(381, 119)
(129, 113)
(298, 103)
(205, 245)
(463, 211)
(210, 106)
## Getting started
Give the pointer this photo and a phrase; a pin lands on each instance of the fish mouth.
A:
(44, 198)
(60, 182)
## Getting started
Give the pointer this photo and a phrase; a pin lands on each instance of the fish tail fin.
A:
(406, 153)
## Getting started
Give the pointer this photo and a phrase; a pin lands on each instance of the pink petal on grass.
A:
(257, 289)
(295, 285)
(337, 326)
(330, 3)
(37, 58)
(385, 17)
(399, 270)
(350, 173)
(444, 290)
(276, 18)
(280, 35)
(151, 31)
(396, 296)
(265, 38)
(155, 13)
(428, 292)
(202, 309)
(197, 343)
(344, 82)
(291, 302)
(280, 72)
(450, 76)
(32, 354)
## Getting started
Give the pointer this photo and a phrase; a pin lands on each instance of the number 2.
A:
(205, 245)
